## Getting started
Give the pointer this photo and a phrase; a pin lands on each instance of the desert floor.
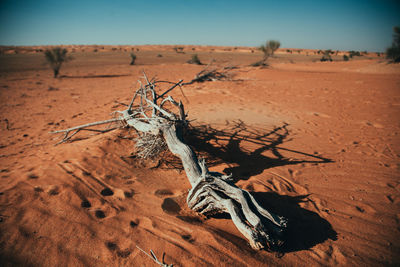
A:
(317, 142)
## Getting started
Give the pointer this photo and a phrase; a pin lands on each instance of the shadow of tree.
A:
(224, 146)
(93, 76)
(305, 228)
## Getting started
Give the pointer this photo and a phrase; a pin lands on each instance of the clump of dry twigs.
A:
(149, 146)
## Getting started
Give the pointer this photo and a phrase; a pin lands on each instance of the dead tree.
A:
(212, 193)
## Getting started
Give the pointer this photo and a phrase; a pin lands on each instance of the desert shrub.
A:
(268, 49)
(259, 63)
(159, 55)
(393, 52)
(56, 57)
(378, 54)
(195, 60)
(345, 58)
(133, 58)
(353, 53)
(327, 55)
(178, 49)
(289, 51)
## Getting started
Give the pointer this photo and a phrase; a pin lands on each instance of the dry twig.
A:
(151, 114)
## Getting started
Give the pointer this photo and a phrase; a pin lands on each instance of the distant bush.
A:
(268, 49)
(378, 54)
(159, 55)
(345, 58)
(327, 55)
(353, 53)
(195, 60)
(56, 57)
(393, 52)
(133, 59)
(179, 49)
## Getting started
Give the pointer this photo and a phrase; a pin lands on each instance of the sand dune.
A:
(316, 142)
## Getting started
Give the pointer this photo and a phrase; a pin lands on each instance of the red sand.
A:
(327, 156)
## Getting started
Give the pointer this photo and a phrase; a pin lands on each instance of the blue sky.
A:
(344, 25)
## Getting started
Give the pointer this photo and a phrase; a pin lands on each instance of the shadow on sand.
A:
(305, 228)
(93, 76)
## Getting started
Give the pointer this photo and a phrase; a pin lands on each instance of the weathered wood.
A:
(211, 192)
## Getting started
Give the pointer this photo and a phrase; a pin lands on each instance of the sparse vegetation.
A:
(345, 58)
(353, 53)
(268, 49)
(133, 58)
(178, 49)
(393, 52)
(327, 55)
(159, 55)
(56, 57)
(195, 60)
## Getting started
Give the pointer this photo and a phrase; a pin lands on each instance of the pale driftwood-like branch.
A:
(154, 258)
(86, 127)
(210, 193)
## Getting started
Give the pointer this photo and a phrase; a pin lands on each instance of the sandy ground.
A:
(316, 142)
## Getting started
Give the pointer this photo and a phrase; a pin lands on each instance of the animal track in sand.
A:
(100, 214)
(163, 192)
(170, 206)
(107, 192)
(375, 125)
(86, 204)
(113, 247)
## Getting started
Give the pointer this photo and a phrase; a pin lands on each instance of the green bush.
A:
(327, 55)
(345, 58)
(268, 49)
(353, 53)
(195, 60)
(56, 57)
(393, 52)
(133, 59)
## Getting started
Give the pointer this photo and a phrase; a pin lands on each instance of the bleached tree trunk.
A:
(211, 193)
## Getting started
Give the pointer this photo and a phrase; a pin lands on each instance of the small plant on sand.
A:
(393, 52)
(56, 57)
(133, 58)
(195, 60)
(268, 49)
(327, 55)
(353, 53)
(345, 58)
